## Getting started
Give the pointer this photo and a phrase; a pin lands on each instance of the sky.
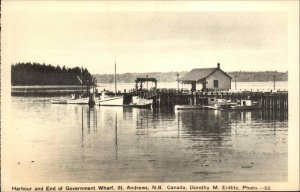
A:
(146, 37)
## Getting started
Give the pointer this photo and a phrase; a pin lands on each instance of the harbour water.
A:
(75, 143)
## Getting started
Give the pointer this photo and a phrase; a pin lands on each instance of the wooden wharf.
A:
(271, 100)
(167, 98)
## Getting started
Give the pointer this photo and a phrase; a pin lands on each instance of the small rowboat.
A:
(83, 100)
(73, 100)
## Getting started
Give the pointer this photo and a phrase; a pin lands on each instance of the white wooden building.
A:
(210, 79)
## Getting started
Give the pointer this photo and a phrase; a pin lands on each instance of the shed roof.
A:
(142, 79)
(199, 74)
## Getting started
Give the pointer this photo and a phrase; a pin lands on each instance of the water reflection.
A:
(195, 139)
(116, 135)
(89, 122)
(99, 144)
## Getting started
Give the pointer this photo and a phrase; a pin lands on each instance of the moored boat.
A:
(208, 103)
(245, 105)
(221, 106)
(187, 107)
(59, 101)
(110, 101)
(139, 102)
(80, 99)
(113, 100)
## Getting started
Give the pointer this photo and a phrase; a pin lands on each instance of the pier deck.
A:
(276, 100)
(270, 100)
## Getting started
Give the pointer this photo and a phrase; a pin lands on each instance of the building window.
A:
(216, 83)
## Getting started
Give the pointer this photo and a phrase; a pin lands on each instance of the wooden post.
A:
(178, 81)
(287, 102)
(235, 81)
(275, 101)
(192, 99)
(261, 101)
(268, 101)
(195, 98)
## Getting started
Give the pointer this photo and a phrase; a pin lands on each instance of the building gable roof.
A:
(199, 74)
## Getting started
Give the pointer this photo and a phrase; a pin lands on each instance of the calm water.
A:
(75, 143)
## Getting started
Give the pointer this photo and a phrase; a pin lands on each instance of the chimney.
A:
(218, 65)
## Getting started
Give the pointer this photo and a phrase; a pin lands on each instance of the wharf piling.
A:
(274, 101)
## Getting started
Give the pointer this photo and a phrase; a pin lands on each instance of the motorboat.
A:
(187, 107)
(75, 99)
(140, 102)
(59, 101)
(220, 104)
(78, 100)
(105, 100)
(245, 105)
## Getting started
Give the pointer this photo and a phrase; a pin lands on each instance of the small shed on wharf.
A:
(210, 79)
(141, 80)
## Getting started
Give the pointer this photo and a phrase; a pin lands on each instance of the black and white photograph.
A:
(150, 95)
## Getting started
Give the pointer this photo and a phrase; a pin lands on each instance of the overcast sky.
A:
(146, 41)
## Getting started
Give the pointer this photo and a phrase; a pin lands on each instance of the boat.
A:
(115, 100)
(59, 101)
(139, 102)
(75, 99)
(187, 107)
(81, 99)
(220, 104)
(245, 105)
(208, 103)
(105, 100)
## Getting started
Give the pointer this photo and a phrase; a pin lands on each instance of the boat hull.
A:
(245, 108)
(78, 101)
(149, 105)
(111, 101)
(59, 101)
(187, 107)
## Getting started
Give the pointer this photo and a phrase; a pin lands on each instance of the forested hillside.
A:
(42, 74)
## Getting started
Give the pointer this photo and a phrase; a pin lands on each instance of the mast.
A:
(81, 81)
(115, 78)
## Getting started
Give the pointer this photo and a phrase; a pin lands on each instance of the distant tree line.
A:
(241, 76)
(131, 77)
(42, 74)
(248, 76)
